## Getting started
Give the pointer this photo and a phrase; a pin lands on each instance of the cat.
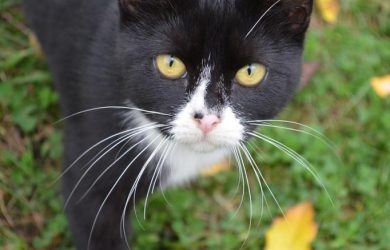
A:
(156, 90)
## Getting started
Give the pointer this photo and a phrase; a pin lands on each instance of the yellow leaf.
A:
(329, 10)
(295, 231)
(217, 168)
(381, 85)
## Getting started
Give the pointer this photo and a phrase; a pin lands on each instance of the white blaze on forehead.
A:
(197, 100)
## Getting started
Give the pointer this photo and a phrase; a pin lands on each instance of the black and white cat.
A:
(165, 88)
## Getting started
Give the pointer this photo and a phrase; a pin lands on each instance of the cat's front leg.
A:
(96, 221)
(105, 234)
(97, 196)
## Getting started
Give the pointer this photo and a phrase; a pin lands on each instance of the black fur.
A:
(102, 52)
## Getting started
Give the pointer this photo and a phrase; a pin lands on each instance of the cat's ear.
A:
(128, 9)
(131, 10)
(298, 14)
(292, 16)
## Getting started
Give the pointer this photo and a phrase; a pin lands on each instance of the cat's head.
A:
(212, 65)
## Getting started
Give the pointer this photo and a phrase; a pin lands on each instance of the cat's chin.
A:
(187, 160)
(204, 147)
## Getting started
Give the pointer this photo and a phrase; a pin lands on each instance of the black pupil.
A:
(250, 70)
(171, 61)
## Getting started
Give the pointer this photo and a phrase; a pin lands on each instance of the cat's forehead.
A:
(211, 33)
(217, 31)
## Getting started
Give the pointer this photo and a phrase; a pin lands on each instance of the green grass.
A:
(338, 102)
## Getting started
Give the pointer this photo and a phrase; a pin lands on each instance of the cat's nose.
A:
(206, 123)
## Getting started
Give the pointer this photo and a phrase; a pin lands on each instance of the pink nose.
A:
(207, 123)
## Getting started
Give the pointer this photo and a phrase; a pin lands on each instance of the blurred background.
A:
(344, 95)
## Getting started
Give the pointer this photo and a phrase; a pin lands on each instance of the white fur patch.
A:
(192, 150)
(185, 130)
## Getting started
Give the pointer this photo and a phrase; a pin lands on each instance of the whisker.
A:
(249, 158)
(99, 158)
(166, 127)
(158, 175)
(258, 173)
(315, 133)
(263, 196)
(258, 122)
(113, 187)
(159, 166)
(87, 171)
(88, 150)
(135, 184)
(150, 125)
(293, 154)
(288, 151)
(112, 107)
(111, 165)
(122, 222)
(261, 18)
(250, 199)
(240, 178)
(234, 150)
(160, 185)
(121, 148)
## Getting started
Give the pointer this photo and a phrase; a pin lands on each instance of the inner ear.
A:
(299, 12)
(298, 18)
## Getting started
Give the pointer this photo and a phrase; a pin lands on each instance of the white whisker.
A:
(87, 171)
(133, 189)
(160, 185)
(234, 150)
(100, 157)
(134, 130)
(111, 165)
(261, 18)
(113, 187)
(91, 148)
(258, 122)
(255, 170)
(250, 199)
(258, 173)
(255, 149)
(240, 178)
(301, 160)
(112, 107)
(156, 172)
(315, 133)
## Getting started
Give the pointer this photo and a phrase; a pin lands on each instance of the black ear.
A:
(128, 8)
(292, 16)
(132, 10)
(298, 14)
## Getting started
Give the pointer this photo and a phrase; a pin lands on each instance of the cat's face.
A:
(210, 64)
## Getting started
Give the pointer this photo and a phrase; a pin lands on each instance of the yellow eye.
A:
(251, 75)
(170, 66)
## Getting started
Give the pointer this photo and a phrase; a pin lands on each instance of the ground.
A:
(338, 101)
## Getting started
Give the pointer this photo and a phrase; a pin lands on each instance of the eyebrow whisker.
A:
(261, 18)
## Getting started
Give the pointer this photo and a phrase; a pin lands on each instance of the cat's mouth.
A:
(204, 145)
(208, 133)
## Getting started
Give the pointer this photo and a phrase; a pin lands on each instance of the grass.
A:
(338, 101)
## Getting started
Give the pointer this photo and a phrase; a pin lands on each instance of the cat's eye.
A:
(170, 66)
(251, 75)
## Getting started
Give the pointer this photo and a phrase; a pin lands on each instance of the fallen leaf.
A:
(217, 168)
(10, 138)
(381, 85)
(35, 45)
(329, 10)
(295, 231)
